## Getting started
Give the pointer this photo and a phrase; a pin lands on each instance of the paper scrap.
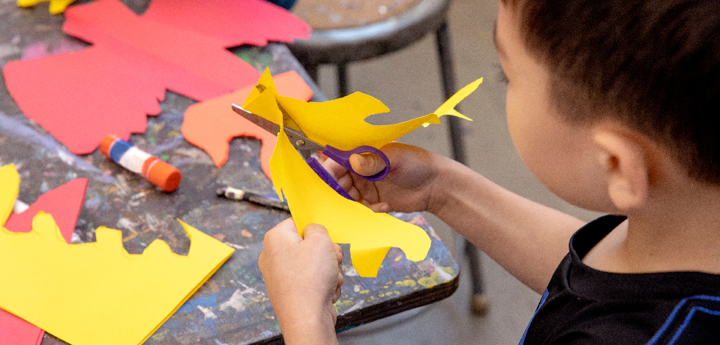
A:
(56, 6)
(63, 203)
(212, 124)
(16, 331)
(110, 87)
(341, 123)
(96, 293)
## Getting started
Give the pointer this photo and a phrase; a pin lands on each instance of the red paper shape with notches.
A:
(111, 86)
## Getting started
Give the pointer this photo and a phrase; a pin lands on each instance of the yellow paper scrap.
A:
(369, 234)
(96, 293)
(10, 182)
(341, 124)
(56, 6)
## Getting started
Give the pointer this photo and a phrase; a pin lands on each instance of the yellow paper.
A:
(311, 200)
(96, 293)
(448, 108)
(56, 6)
(10, 182)
(341, 124)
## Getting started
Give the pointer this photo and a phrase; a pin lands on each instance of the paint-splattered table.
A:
(232, 307)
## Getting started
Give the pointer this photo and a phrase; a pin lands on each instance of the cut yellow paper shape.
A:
(56, 6)
(311, 200)
(96, 293)
(341, 124)
(448, 108)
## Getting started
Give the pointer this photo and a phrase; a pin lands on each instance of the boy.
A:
(612, 105)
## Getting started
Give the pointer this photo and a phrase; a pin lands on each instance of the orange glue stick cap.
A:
(106, 143)
(161, 174)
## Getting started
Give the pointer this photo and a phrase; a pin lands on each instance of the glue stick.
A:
(140, 162)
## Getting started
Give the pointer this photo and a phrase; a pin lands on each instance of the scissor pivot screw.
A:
(300, 142)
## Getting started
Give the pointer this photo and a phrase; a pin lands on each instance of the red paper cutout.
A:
(110, 87)
(16, 331)
(64, 204)
(212, 124)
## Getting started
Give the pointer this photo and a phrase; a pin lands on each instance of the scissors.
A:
(306, 147)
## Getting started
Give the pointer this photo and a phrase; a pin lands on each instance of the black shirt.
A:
(585, 306)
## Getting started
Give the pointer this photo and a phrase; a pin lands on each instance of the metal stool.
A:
(353, 30)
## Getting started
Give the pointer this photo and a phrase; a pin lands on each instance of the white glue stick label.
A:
(133, 159)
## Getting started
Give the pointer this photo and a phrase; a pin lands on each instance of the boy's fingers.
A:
(381, 207)
(367, 164)
(284, 232)
(312, 230)
(285, 228)
(338, 253)
(337, 295)
(335, 170)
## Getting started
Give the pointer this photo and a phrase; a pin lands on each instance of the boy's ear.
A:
(626, 167)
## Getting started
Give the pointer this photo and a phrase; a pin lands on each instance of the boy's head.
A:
(651, 65)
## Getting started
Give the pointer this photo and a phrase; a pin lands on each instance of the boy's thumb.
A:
(367, 164)
(314, 230)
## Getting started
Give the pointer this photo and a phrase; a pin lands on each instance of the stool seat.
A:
(339, 45)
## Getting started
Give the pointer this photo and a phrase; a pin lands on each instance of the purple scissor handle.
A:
(326, 177)
(306, 146)
(343, 158)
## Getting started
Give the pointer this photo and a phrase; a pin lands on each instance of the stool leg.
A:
(312, 71)
(342, 79)
(479, 302)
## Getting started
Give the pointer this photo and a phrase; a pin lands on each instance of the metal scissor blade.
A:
(298, 139)
(267, 125)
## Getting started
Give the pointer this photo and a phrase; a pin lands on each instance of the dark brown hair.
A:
(652, 64)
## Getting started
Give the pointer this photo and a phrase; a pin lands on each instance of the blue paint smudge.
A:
(44, 187)
(209, 301)
(17, 129)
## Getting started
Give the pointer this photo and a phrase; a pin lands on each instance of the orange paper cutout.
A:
(212, 124)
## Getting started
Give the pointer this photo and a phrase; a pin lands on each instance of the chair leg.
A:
(479, 302)
(342, 79)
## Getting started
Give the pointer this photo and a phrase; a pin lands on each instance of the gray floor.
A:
(408, 82)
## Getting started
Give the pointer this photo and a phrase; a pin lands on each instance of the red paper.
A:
(212, 124)
(110, 87)
(16, 331)
(64, 204)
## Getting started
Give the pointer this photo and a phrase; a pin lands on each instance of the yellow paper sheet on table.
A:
(341, 123)
(96, 293)
(56, 6)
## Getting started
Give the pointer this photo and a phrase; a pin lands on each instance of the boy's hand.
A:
(407, 187)
(303, 279)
